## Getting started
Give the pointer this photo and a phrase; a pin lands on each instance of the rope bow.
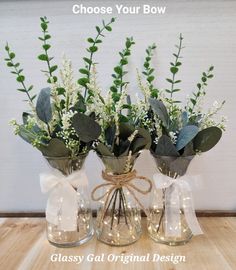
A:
(119, 181)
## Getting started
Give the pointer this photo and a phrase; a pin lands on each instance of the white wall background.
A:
(210, 38)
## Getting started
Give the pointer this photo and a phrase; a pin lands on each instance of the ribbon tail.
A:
(191, 219)
(189, 210)
(62, 208)
(172, 212)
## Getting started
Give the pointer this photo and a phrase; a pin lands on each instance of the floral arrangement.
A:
(59, 124)
(177, 130)
(120, 133)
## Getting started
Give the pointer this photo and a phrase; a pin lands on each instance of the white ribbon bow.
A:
(62, 206)
(177, 194)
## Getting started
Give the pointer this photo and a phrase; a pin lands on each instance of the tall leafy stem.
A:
(118, 82)
(93, 47)
(174, 70)
(20, 78)
(46, 46)
(148, 70)
(200, 89)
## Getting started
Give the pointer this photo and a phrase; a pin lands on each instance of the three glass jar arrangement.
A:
(118, 221)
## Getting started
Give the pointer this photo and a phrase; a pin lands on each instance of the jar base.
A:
(110, 243)
(171, 242)
(73, 244)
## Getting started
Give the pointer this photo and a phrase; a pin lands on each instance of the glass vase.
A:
(157, 222)
(119, 216)
(83, 229)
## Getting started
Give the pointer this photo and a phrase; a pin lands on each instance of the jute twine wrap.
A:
(119, 181)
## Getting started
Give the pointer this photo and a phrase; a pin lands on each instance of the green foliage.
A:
(120, 72)
(207, 139)
(46, 46)
(165, 147)
(122, 144)
(87, 129)
(18, 72)
(43, 106)
(159, 108)
(55, 148)
(93, 47)
(185, 136)
(148, 70)
(200, 89)
(174, 69)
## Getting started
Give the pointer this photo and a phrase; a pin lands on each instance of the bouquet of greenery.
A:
(120, 134)
(59, 124)
(118, 147)
(176, 130)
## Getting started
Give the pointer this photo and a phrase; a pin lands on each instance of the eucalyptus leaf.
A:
(43, 105)
(55, 148)
(138, 144)
(184, 117)
(124, 147)
(165, 147)
(110, 134)
(188, 150)
(26, 135)
(125, 130)
(161, 111)
(87, 128)
(186, 135)
(146, 135)
(104, 150)
(207, 139)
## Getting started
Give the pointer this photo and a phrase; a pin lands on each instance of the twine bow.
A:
(118, 181)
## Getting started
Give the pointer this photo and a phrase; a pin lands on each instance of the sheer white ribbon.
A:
(177, 195)
(62, 206)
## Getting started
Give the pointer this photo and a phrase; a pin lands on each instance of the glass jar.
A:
(83, 229)
(157, 219)
(118, 217)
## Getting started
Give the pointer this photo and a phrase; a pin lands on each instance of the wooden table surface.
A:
(23, 246)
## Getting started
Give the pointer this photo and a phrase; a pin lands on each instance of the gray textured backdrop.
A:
(210, 38)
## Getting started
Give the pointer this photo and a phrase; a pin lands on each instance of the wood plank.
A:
(222, 233)
(199, 213)
(16, 238)
(23, 245)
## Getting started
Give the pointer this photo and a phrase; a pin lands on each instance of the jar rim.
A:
(119, 157)
(84, 155)
(156, 155)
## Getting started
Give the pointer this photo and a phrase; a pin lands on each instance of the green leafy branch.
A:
(93, 47)
(174, 70)
(201, 88)
(20, 78)
(148, 70)
(118, 82)
(46, 46)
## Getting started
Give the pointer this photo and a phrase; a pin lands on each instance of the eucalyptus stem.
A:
(124, 205)
(163, 210)
(200, 88)
(119, 212)
(174, 70)
(177, 56)
(113, 208)
(92, 49)
(148, 71)
(118, 82)
(46, 46)
(18, 72)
